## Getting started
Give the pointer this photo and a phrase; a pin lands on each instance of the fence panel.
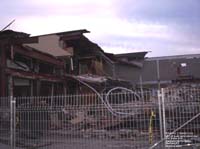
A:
(5, 121)
(123, 120)
(181, 117)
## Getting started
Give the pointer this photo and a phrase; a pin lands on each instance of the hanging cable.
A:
(106, 102)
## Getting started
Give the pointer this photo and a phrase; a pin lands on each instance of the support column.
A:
(10, 85)
(52, 94)
(2, 71)
(38, 86)
(31, 88)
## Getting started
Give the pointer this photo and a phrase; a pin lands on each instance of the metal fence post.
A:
(12, 121)
(163, 114)
(160, 114)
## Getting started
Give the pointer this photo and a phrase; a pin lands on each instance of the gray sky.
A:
(165, 27)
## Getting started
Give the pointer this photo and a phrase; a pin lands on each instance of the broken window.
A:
(19, 62)
(46, 68)
(22, 87)
(69, 65)
(46, 88)
(84, 66)
(58, 71)
(90, 66)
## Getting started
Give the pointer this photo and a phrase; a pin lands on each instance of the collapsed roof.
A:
(135, 59)
(54, 43)
(62, 44)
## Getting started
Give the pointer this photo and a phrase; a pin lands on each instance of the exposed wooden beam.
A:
(30, 75)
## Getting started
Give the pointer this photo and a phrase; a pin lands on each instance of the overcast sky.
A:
(164, 27)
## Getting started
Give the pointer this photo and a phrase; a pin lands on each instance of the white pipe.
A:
(117, 88)
(106, 102)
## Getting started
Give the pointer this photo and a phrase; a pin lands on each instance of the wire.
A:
(7, 25)
(110, 110)
(117, 88)
(106, 102)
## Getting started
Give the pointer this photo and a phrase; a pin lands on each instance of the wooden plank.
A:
(30, 75)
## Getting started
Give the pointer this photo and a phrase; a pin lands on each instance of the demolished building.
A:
(168, 70)
(27, 71)
(52, 64)
(159, 72)
(58, 63)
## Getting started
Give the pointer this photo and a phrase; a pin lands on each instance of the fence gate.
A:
(117, 120)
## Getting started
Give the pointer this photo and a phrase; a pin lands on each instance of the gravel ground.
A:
(60, 140)
(75, 143)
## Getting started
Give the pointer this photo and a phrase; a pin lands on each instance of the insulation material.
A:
(92, 78)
